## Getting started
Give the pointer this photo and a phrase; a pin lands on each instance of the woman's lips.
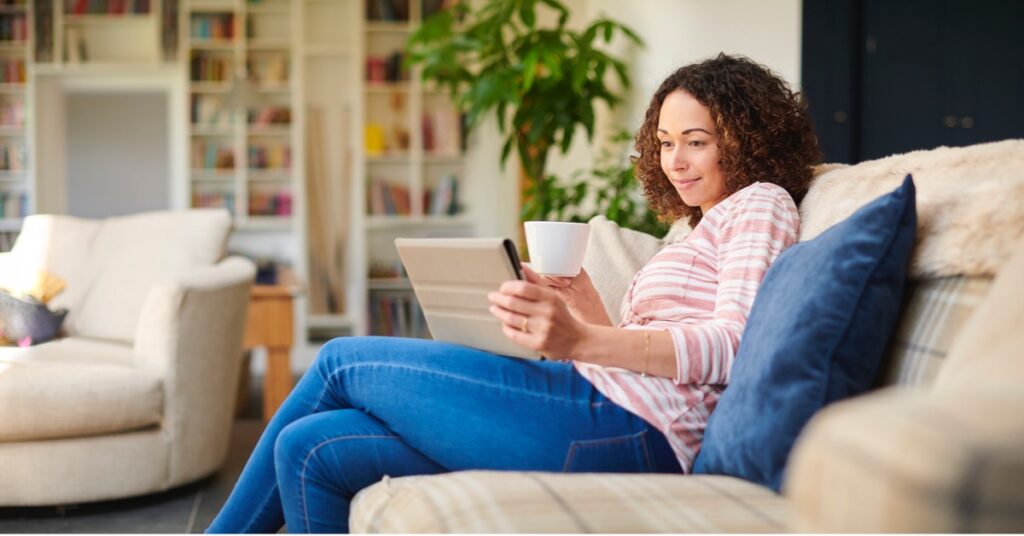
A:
(683, 184)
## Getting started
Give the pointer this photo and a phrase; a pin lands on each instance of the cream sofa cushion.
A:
(614, 255)
(132, 254)
(74, 387)
(528, 502)
(59, 245)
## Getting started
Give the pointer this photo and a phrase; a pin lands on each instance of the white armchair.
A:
(139, 396)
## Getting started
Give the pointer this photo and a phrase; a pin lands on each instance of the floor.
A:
(187, 509)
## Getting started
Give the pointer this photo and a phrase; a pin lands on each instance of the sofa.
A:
(938, 445)
(138, 396)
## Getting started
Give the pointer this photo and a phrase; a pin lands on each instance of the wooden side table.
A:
(270, 326)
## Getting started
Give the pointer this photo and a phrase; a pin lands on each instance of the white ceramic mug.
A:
(556, 248)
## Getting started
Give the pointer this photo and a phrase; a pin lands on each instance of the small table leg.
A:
(277, 382)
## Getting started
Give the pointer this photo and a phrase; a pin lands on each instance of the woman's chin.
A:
(689, 199)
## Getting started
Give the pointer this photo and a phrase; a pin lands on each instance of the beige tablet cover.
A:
(451, 278)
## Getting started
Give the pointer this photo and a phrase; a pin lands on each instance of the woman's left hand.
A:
(533, 315)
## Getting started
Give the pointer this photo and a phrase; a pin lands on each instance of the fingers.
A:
(517, 321)
(525, 290)
(515, 303)
(546, 280)
(530, 275)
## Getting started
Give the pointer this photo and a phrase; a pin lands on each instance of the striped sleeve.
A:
(750, 236)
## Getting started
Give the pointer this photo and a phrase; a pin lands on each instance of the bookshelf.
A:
(413, 167)
(95, 32)
(242, 95)
(16, 173)
(295, 115)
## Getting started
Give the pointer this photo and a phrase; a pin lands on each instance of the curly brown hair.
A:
(765, 132)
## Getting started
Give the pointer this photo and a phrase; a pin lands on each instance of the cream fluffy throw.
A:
(970, 203)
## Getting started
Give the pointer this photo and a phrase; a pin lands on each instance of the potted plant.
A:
(541, 80)
(608, 189)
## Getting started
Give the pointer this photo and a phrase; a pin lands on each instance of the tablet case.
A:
(451, 278)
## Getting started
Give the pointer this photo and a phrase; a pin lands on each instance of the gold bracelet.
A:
(647, 352)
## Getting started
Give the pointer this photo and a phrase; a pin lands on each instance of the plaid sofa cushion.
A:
(912, 460)
(515, 502)
(934, 312)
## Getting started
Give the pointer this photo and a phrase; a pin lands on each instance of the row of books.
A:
(209, 68)
(268, 68)
(208, 110)
(13, 204)
(387, 10)
(443, 132)
(107, 7)
(397, 315)
(381, 69)
(270, 204)
(14, 28)
(214, 200)
(12, 71)
(270, 156)
(14, 3)
(270, 116)
(443, 199)
(13, 156)
(12, 114)
(212, 26)
(389, 199)
(212, 155)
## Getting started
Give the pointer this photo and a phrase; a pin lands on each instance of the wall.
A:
(117, 154)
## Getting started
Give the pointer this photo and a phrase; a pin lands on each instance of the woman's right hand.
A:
(578, 294)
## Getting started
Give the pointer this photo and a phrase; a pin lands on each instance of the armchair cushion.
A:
(74, 387)
(816, 334)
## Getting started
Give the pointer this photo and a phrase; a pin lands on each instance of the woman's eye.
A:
(696, 143)
(666, 144)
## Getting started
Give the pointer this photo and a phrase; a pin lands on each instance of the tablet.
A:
(452, 277)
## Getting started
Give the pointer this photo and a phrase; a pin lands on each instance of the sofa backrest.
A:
(110, 265)
(970, 219)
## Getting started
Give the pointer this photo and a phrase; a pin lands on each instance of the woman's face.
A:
(689, 151)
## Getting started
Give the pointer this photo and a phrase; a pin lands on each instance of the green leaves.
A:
(519, 55)
(608, 189)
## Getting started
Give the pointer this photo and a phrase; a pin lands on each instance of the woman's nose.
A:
(678, 160)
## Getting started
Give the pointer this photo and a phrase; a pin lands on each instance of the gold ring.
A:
(526, 325)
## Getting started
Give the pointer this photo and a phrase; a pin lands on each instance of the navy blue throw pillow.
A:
(816, 334)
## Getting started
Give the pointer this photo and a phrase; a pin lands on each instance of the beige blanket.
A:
(970, 203)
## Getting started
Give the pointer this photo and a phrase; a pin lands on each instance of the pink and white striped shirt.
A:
(700, 290)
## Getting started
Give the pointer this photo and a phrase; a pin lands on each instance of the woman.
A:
(724, 143)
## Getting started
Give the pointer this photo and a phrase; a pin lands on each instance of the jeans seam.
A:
(466, 379)
(645, 447)
(305, 463)
(575, 445)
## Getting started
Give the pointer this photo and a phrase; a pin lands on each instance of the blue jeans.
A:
(374, 406)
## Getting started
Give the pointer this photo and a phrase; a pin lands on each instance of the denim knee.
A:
(345, 350)
(291, 448)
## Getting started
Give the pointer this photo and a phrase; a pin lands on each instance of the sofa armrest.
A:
(909, 460)
(190, 334)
